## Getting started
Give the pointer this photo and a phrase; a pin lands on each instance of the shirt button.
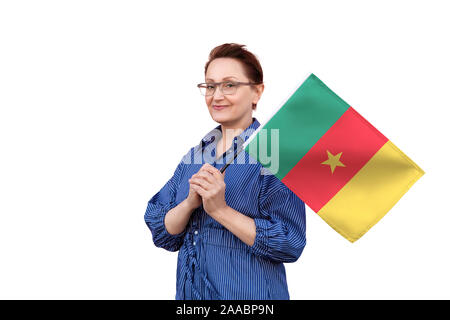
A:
(194, 243)
(195, 232)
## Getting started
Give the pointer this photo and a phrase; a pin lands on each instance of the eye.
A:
(209, 86)
(230, 84)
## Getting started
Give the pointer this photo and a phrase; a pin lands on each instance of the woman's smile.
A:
(219, 107)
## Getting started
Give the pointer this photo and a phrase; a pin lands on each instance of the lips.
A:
(219, 107)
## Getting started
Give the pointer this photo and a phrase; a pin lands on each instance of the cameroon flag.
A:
(333, 159)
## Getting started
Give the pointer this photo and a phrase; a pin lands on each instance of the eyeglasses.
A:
(226, 87)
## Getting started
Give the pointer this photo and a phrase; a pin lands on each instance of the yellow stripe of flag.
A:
(371, 193)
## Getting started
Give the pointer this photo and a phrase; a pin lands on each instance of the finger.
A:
(199, 190)
(200, 172)
(214, 171)
(205, 167)
(201, 182)
(206, 175)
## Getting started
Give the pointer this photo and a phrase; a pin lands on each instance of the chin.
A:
(220, 118)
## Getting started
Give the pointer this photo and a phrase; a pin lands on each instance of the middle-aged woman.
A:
(233, 230)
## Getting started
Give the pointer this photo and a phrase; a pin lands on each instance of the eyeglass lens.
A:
(208, 89)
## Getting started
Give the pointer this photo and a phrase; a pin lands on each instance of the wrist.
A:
(188, 205)
(220, 213)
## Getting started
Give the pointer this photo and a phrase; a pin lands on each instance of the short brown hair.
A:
(252, 67)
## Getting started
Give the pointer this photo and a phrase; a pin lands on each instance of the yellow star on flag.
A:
(333, 161)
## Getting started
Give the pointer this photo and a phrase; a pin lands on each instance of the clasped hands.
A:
(209, 185)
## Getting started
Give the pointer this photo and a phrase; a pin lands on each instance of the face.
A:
(238, 107)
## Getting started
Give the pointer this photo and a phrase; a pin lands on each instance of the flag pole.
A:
(230, 161)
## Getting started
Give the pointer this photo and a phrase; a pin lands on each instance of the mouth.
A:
(219, 107)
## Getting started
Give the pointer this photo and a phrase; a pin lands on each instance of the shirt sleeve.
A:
(281, 231)
(157, 208)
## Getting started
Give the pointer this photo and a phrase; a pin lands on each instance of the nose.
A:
(218, 93)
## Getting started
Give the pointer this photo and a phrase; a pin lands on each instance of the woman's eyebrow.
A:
(222, 79)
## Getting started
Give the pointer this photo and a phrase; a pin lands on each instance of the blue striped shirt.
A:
(212, 262)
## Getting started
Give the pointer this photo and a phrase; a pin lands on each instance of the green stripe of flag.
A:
(302, 121)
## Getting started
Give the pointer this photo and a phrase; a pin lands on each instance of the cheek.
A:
(236, 101)
(243, 99)
(242, 104)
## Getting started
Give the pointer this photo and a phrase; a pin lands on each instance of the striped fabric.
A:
(212, 262)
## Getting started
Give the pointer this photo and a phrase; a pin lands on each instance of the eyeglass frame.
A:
(238, 83)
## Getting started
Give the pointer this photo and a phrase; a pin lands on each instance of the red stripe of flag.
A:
(358, 141)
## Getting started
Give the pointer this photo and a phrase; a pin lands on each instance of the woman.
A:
(233, 230)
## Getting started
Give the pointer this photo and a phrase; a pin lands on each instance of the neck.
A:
(229, 131)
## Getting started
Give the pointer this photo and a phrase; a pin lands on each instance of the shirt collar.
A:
(239, 139)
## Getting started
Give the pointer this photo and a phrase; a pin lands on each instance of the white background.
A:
(98, 103)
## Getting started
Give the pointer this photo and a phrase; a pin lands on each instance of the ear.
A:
(259, 91)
